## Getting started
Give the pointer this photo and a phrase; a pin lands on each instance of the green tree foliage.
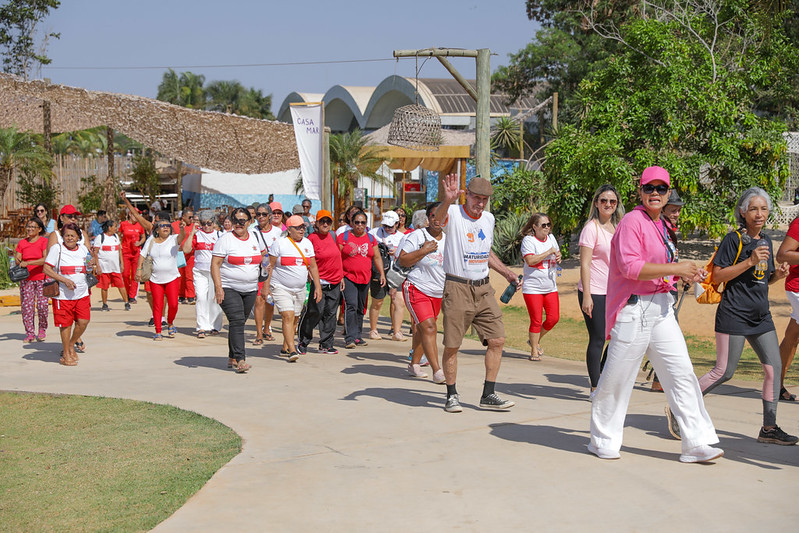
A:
(505, 136)
(516, 191)
(145, 176)
(91, 194)
(508, 237)
(184, 89)
(19, 23)
(226, 96)
(351, 158)
(676, 96)
(19, 151)
(36, 188)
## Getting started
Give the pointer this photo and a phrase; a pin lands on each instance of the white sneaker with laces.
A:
(701, 454)
(416, 371)
(374, 335)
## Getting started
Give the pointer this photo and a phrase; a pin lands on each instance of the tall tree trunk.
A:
(110, 190)
(47, 127)
(179, 185)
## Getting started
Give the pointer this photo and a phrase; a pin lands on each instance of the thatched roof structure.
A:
(228, 143)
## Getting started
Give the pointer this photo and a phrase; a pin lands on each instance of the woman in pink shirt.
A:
(640, 319)
(605, 215)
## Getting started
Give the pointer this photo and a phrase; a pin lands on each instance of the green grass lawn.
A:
(78, 463)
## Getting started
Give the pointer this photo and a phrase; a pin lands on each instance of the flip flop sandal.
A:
(201, 334)
(268, 335)
(242, 367)
(786, 396)
(80, 347)
(214, 332)
(534, 358)
(231, 362)
(258, 342)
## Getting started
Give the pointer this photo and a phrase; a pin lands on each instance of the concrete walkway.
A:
(348, 442)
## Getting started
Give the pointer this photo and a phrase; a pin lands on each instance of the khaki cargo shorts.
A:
(466, 305)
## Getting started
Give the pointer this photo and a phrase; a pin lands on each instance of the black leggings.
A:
(594, 355)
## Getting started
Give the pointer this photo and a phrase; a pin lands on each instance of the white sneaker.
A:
(438, 377)
(701, 454)
(374, 335)
(399, 337)
(591, 395)
(604, 453)
(416, 371)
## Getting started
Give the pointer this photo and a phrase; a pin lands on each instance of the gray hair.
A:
(419, 219)
(206, 215)
(746, 199)
(264, 206)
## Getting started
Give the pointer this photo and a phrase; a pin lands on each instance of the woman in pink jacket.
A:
(640, 319)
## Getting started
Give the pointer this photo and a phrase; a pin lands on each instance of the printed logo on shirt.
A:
(291, 261)
(470, 237)
(361, 250)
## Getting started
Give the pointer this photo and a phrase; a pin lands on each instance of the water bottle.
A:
(510, 291)
(762, 266)
(559, 270)
(11, 262)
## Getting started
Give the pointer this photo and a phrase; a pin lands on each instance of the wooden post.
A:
(555, 112)
(482, 146)
(109, 191)
(179, 185)
(47, 127)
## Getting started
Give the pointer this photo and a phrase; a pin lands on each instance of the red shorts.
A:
(106, 280)
(420, 305)
(65, 312)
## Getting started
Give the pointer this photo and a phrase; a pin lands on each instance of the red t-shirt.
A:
(131, 233)
(792, 281)
(356, 256)
(328, 258)
(31, 252)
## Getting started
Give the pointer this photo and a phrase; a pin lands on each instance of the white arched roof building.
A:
(370, 108)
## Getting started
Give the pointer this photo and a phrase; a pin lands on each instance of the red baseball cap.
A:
(69, 209)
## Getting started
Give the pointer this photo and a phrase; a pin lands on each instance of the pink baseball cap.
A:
(651, 174)
(275, 206)
(295, 220)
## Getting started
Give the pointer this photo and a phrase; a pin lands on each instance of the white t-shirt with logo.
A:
(203, 244)
(427, 274)
(291, 271)
(242, 261)
(392, 240)
(268, 237)
(108, 253)
(468, 243)
(540, 278)
(70, 264)
(165, 259)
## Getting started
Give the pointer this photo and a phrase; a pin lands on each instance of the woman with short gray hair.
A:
(745, 265)
(202, 239)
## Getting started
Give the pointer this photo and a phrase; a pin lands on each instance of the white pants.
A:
(648, 327)
(209, 314)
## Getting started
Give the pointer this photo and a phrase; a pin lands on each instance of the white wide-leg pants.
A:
(209, 314)
(648, 326)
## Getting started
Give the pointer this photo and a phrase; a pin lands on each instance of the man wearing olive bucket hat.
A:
(468, 296)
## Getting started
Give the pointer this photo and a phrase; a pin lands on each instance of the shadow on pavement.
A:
(409, 397)
(49, 352)
(378, 370)
(531, 391)
(569, 379)
(219, 363)
(553, 437)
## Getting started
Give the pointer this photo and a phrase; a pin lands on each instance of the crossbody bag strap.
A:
(304, 259)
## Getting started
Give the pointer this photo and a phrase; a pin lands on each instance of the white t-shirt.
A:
(268, 237)
(165, 259)
(239, 270)
(291, 271)
(108, 253)
(345, 227)
(203, 249)
(70, 264)
(468, 243)
(391, 240)
(540, 278)
(427, 274)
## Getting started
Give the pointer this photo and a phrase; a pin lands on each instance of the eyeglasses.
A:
(358, 222)
(546, 225)
(262, 214)
(649, 188)
(609, 201)
(240, 221)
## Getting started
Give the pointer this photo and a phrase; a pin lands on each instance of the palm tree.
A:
(351, 158)
(19, 151)
(184, 89)
(505, 135)
(224, 96)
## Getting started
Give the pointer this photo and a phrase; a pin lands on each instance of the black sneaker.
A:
(493, 401)
(127, 306)
(181, 300)
(361, 342)
(329, 351)
(191, 301)
(302, 349)
(293, 356)
(151, 322)
(776, 436)
(132, 300)
(105, 308)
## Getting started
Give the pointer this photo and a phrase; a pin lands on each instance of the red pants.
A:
(187, 278)
(537, 304)
(171, 290)
(129, 263)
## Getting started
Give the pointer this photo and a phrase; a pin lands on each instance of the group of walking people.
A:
(629, 271)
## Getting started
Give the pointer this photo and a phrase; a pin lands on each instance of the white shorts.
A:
(793, 297)
(288, 299)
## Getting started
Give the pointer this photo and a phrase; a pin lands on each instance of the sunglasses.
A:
(325, 221)
(277, 213)
(608, 201)
(649, 188)
(262, 214)
(208, 223)
(240, 221)
(71, 215)
(359, 223)
(41, 210)
(298, 228)
(161, 226)
(546, 225)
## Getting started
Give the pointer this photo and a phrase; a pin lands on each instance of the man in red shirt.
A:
(186, 273)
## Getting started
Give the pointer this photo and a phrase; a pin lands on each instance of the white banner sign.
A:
(308, 132)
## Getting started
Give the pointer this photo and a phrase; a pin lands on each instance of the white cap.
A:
(390, 218)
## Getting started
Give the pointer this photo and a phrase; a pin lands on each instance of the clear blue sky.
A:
(101, 33)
